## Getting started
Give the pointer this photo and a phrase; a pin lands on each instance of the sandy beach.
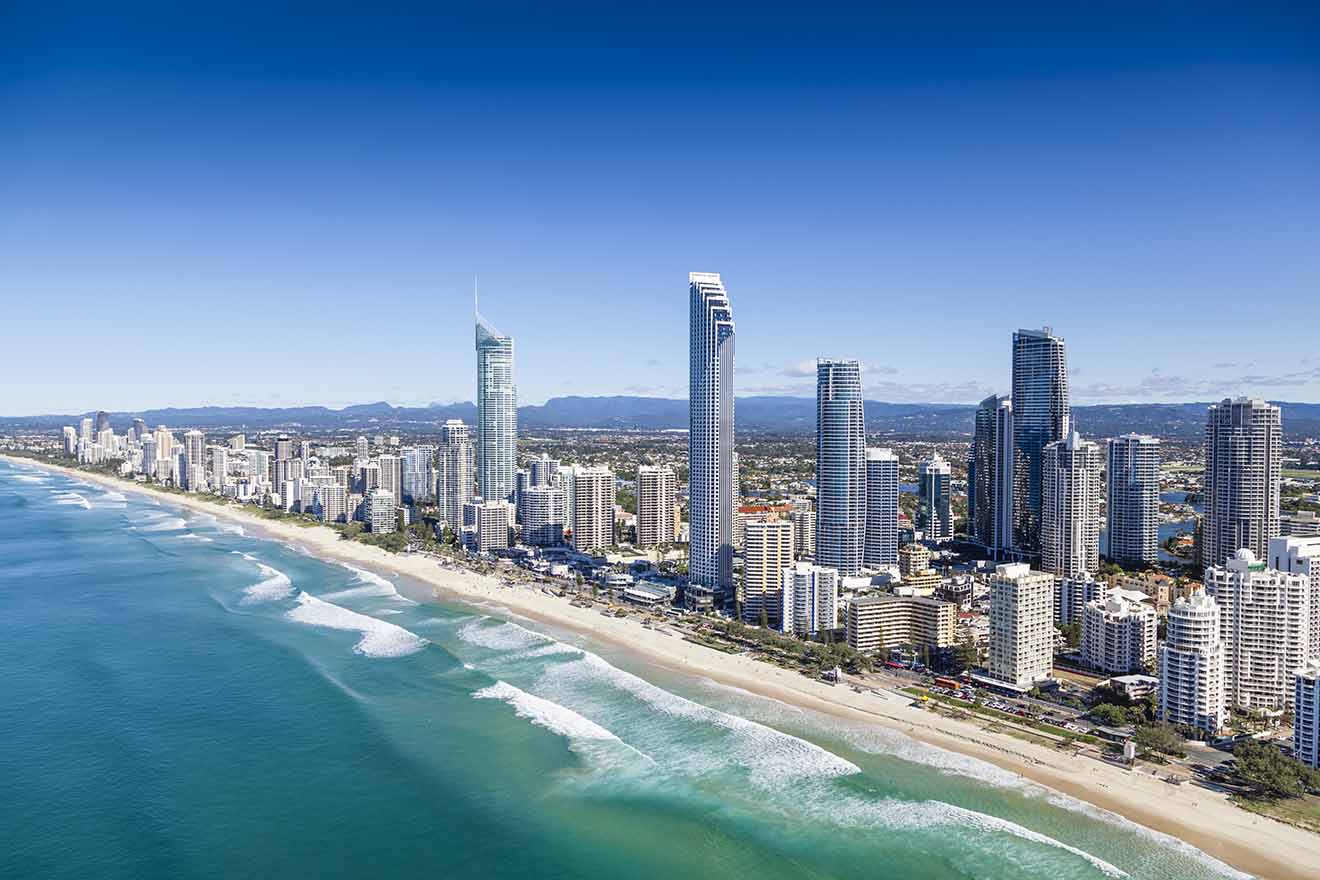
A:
(1200, 817)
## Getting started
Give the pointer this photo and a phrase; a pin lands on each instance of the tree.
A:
(1270, 773)
(1110, 715)
(765, 617)
(1162, 738)
(966, 655)
(1072, 633)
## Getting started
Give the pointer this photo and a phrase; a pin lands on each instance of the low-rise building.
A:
(881, 621)
(1118, 636)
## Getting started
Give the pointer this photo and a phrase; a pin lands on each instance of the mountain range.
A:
(788, 415)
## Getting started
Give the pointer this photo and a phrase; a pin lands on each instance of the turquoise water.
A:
(184, 700)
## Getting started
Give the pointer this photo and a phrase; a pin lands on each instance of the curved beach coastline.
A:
(1200, 817)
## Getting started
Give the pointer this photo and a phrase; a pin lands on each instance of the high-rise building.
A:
(102, 421)
(881, 621)
(657, 489)
(1118, 636)
(139, 429)
(381, 514)
(1306, 713)
(1300, 524)
(219, 468)
(497, 413)
(767, 551)
(1021, 625)
(711, 488)
(259, 465)
(810, 599)
(543, 470)
(565, 482)
(1241, 485)
(1073, 594)
(368, 476)
(804, 533)
(1265, 625)
(1133, 507)
(990, 477)
(934, 499)
(1301, 556)
(1191, 665)
(283, 447)
(362, 447)
(391, 475)
(881, 508)
(1070, 507)
(86, 428)
(593, 508)
(238, 443)
(840, 466)
(70, 440)
(543, 516)
(489, 530)
(418, 474)
(164, 443)
(194, 448)
(1040, 417)
(455, 472)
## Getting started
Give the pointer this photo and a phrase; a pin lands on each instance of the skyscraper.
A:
(840, 466)
(1040, 417)
(1241, 487)
(391, 475)
(418, 478)
(767, 551)
(990, 477)
(1191, 665)
(1265, 625)
(656, 512)
(194, 447)
(455, 472)
(711, 487)
(497, 413)
(810, 599)
(1021, 625)
(543, 470)
(102, 421)
(1070, 521)
(593, 508)
(543, 516)
(1134, 499)
(934, 513)
(881, 508)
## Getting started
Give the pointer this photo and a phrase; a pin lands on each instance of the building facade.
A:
(1191, 665)
(544, 516)
(1243, 451)
(1041, 416)
(1306, 713)
(497, 413)
(593, 508)
(768, 550)
(1021, 625)
(1118, 636)
(840, 466)
(381, 514)
(657, 506)
(1133, 503)
(990, 477)
(881, 508)
(934, 500)
(456, 464)
(882, 621)
(810, 599)
(1265, 625)
(711, 488)
(1070, 507)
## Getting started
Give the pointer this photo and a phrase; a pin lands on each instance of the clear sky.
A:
(202, 204)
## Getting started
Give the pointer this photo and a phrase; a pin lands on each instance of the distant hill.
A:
(1184, 421)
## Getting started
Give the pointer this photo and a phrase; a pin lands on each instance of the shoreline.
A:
(1199, 817)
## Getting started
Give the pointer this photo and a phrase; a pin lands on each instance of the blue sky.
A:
(241, 206)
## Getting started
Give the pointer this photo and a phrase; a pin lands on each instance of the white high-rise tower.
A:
(710, 441)
(1134, 499)
(497, 413)
(840, 466)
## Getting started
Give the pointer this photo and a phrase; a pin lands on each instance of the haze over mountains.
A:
(756, 414)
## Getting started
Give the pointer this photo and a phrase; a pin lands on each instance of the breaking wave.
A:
(379, 638)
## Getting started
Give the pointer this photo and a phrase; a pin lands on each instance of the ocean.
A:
(182, 699)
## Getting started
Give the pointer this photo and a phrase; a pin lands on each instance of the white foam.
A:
(927, 813)
(373, 585)
(190, 536)
(72, 498)
(389, 611)
(170, 524)
(379, 638)
(274, 585)
(547, 714)
(30, 478)
(1065, 802)
(504, 636)
(772, 757)
(113, 497)
(232, 528)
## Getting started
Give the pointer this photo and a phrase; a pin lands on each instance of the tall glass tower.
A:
(840, 466)
(1133, 509)
(881, 508)
(497, 413)
(990, 477)
(1040, 417)
(711, 489)
(1243, 448)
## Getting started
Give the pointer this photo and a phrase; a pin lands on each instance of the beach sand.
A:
(1203, 818)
